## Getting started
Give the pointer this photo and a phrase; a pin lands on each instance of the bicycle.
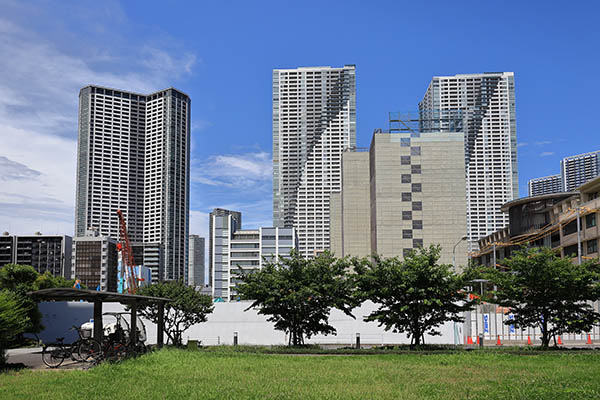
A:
(54, 354)
(114, 347)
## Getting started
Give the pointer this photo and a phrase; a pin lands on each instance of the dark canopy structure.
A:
(98, 298)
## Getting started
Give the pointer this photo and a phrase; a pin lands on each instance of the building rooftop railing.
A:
(424, 121)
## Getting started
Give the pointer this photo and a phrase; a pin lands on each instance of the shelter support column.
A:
(133, 333)
(160, 327)
(98, 321)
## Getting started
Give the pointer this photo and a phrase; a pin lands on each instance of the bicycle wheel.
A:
(53, 355)
(89, 350)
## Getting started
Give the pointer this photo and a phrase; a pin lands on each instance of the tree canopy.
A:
(298, 294)
(188, 307)
(415, 295)
(546, 291)
(14, 320)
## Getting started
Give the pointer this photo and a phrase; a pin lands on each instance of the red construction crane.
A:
(128, 267)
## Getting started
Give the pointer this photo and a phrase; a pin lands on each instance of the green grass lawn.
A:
(227, 374)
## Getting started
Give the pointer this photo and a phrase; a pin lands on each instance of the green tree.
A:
(298, 294)
(46, 280)
(20, 279)
(13, 320)
(548, 292)
(415, 295)
(188, 307)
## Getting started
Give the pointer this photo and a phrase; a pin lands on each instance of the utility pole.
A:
(494, 258)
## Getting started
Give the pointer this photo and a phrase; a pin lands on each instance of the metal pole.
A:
(494, 258)
(578, 238)
(357, 340)
(235, 338)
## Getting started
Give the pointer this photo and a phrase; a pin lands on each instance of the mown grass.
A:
(230, 374)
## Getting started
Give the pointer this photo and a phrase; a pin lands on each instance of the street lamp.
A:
(454, 251)
(454, 266)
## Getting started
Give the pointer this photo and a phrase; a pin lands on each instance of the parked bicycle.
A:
(114, 347)
(54, 354)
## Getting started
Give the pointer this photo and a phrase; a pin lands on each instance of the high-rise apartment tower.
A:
(545, 185)
(487, 103)
(574, 172)
(133, 155)
(314, 120)
(196, 261)
(577, 170)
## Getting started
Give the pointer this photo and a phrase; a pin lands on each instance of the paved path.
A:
(32, 358)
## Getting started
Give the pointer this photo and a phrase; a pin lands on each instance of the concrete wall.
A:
(252, 328)
(444, 194)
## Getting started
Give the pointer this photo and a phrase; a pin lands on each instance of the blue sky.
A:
(222, 54)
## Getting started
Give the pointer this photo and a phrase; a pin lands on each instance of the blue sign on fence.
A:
(486, 325)
(511, 327)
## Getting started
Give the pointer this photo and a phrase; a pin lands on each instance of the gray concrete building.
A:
(407, 192)
(196, 261)
(349, 208)
(224, 224)
(487, 104)
(133, 155)
(240, 251)
(45, 253)
(314, 120)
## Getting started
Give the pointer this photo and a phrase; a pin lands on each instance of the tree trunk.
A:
(545, 335)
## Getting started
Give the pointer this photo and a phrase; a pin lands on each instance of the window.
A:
(406, 196)
(405, 160)
(592, 246)
(570, 228)
(416, 188)
(570, 251)
(405, 178)
(406, 252)
(406, 215)
(415, 151)
(417, 224)
(407, 234)
(417, 206)
(415, 169)
(417, 243)
(590, 220)
(405, 142)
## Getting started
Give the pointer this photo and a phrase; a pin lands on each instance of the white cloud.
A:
(546, 153)
(543, 143)
(522, 144)
(42, 73)
(12, 170)
(249, 170)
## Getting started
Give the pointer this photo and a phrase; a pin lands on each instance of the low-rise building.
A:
(45, 253)
(240, 251)
(566, 222)
(95, 262)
